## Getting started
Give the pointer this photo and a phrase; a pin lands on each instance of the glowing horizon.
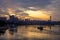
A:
(38, 14)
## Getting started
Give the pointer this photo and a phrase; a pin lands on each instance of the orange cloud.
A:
(11, 11)
(38, 14)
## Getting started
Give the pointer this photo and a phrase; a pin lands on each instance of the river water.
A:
(31, 32)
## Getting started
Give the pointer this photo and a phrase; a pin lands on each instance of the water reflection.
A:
(12, 29)
(30, 32)
(3, 30)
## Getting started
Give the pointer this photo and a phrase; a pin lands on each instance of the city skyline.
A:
(21, 18)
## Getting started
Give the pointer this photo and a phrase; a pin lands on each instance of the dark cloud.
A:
(1, 12)
(1, 1)
(18, 11)
(55, 9)
(34, 3)
(25, 3)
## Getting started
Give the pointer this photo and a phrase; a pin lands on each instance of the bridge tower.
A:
(50, 18)
(50, 21)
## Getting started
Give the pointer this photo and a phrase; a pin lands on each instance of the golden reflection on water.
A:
(31, 32)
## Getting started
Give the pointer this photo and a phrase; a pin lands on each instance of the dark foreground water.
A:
(30, 32)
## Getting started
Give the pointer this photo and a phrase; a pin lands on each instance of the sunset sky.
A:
(41, 9)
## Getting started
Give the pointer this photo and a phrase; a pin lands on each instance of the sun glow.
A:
(38, 14)
(11, 11)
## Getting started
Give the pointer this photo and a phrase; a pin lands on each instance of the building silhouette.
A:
(13, 19)
(3, 18)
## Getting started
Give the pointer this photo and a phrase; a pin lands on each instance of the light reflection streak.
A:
(31, 32)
